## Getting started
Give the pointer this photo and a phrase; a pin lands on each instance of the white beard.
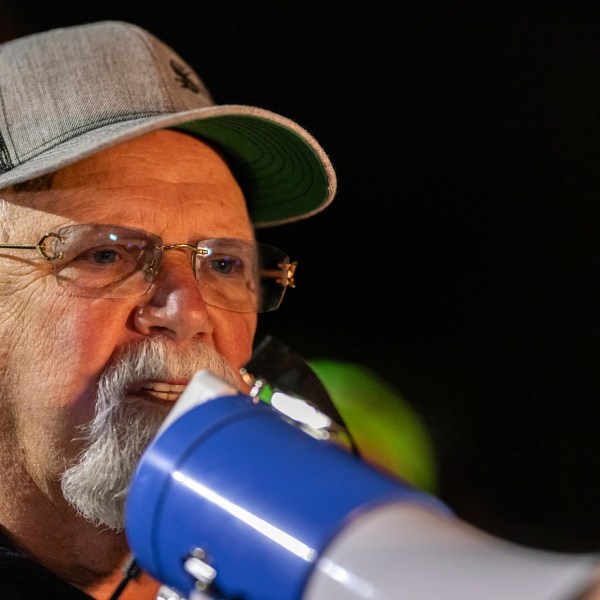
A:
(96, 486)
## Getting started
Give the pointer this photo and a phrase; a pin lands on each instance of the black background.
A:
(460, 258)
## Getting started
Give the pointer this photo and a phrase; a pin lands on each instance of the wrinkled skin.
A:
(53, 345)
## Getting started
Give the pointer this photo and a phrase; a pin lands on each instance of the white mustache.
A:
(151, 363)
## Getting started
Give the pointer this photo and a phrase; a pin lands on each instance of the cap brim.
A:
(283, 171)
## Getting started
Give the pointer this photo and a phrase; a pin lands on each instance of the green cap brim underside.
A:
(281, 176)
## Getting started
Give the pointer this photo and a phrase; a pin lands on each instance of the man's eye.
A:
(104, 256)
(226, 265)
(101, 256)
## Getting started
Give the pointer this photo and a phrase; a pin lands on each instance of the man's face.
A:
(55, 346)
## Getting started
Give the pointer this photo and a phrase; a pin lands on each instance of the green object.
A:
(283, 178)
(385, 428)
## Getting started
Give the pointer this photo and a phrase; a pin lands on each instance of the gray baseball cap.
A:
(70, 92)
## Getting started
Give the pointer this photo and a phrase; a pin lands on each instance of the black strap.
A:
(130, 571)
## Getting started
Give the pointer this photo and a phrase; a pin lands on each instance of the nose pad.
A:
(174, 307)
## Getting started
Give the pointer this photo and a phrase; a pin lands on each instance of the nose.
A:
(174, 307)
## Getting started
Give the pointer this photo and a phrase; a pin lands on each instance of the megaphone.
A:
(234, 500)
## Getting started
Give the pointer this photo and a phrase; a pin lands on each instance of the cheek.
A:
(62, 348)
(233, 335)
(52, 350)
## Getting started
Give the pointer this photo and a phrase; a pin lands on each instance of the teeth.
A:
(159, 386)
(163, 391)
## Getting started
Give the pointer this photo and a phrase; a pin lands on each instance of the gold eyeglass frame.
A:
(287, 281)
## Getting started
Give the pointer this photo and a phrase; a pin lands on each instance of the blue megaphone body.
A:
(233, 500)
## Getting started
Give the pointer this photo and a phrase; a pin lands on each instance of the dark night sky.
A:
(460, 258)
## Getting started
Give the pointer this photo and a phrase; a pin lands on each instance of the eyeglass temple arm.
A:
(284, 275)
(40, 246)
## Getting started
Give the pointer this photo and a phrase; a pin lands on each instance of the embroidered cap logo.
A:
(183, 77)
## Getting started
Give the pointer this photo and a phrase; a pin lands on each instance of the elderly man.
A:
(128, 263)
